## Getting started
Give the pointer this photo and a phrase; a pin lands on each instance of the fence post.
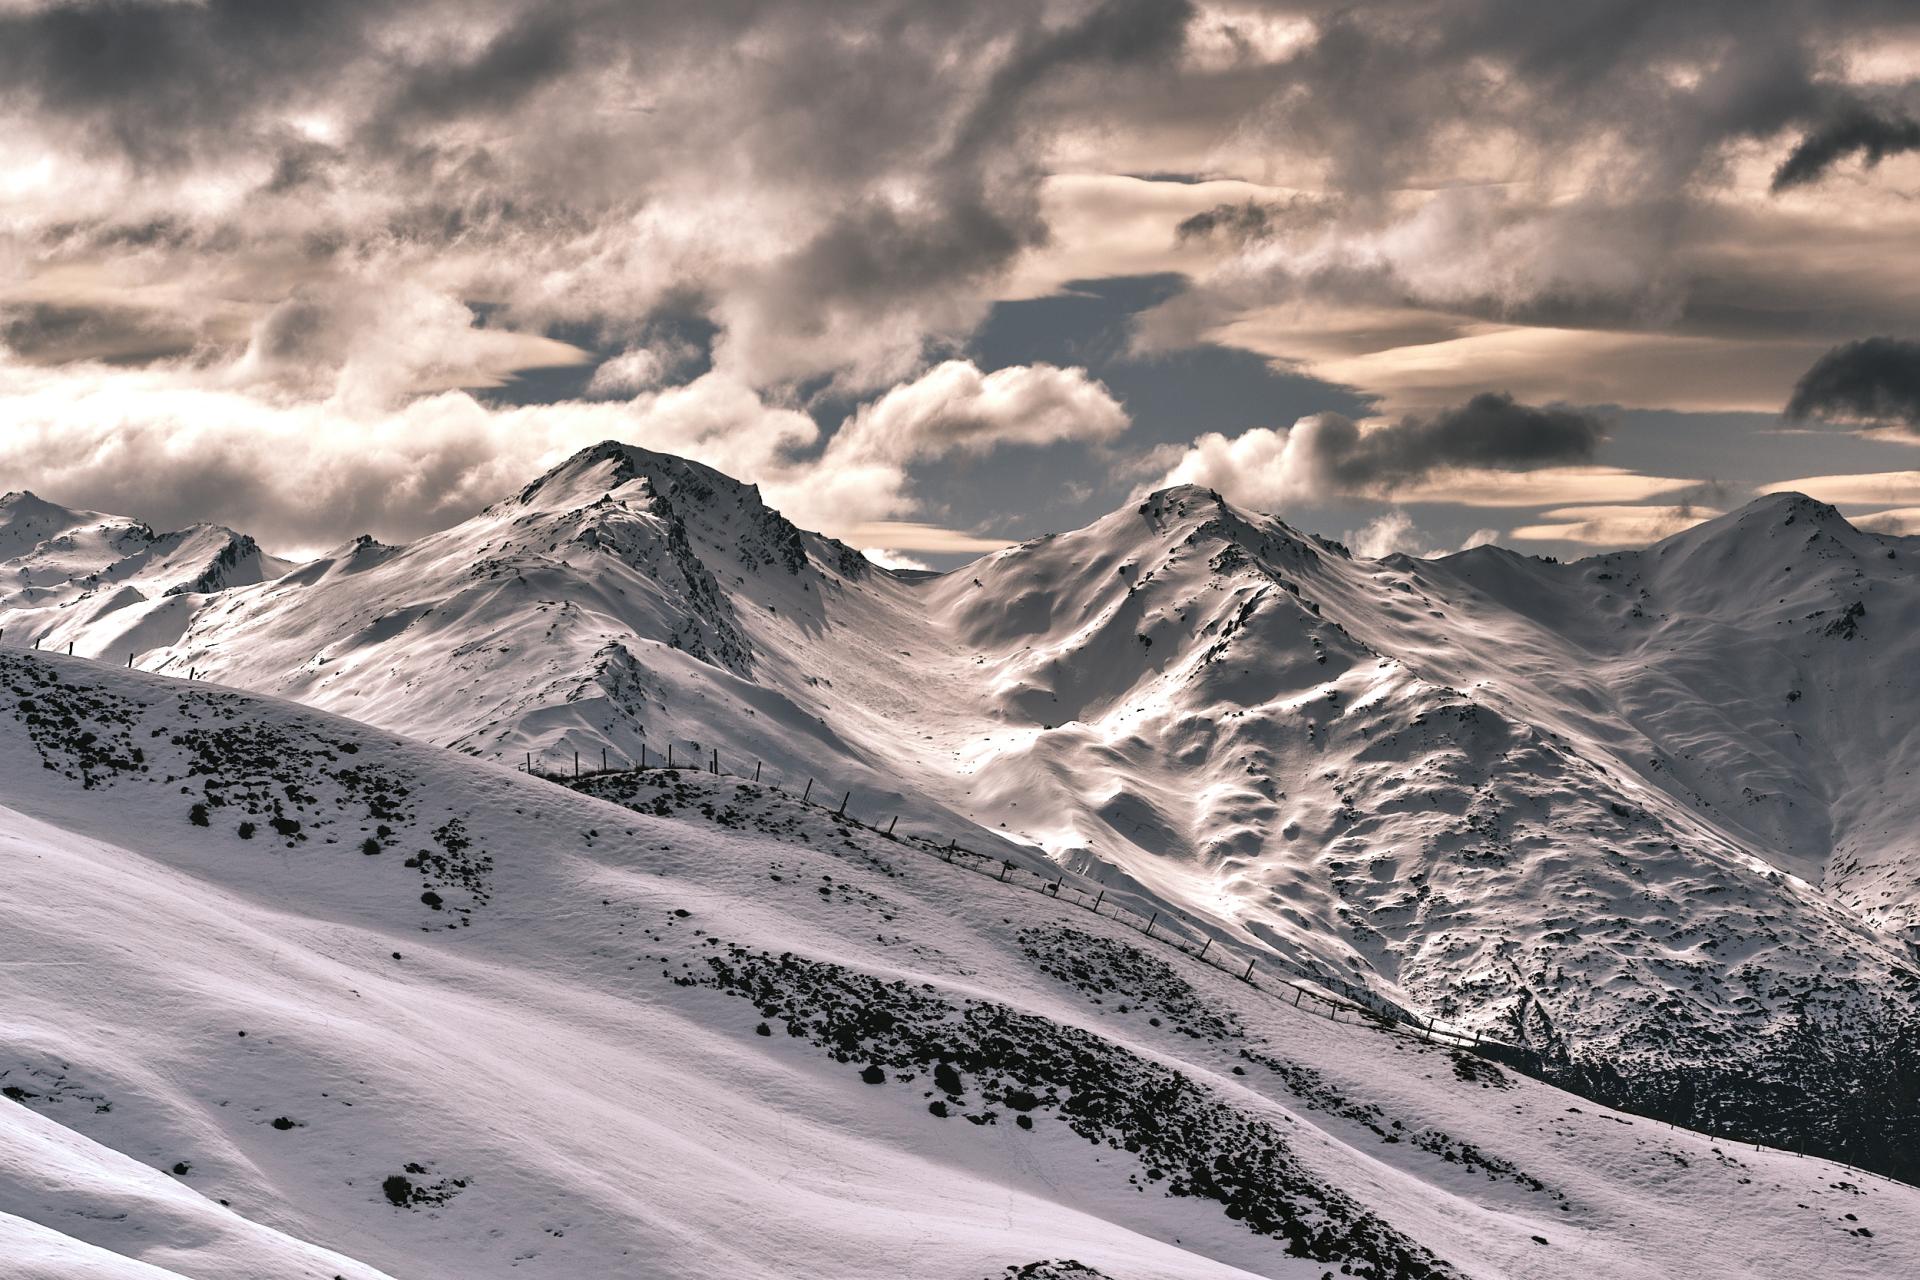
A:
(1203, 949)
(1248, 975)
(841, 811)
(716, 762)
(576, 764)
(807, 792)
(669, 753)
(1297, 993)
(529, 762)
(643, 755)
(69, 648)
(129, 659)
(890, 821)
(1097, 901)
(603, 759)
(756, 771)
(950, 846)
(1156, 916)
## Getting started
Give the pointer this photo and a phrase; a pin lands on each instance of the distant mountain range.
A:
(1649, 815)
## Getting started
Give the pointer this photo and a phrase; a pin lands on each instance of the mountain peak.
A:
(27, 503)
(610, 465)
(1792, 504)
(1786, 512)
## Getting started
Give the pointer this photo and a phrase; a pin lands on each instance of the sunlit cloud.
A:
(1885, 488)
(908, 535)
(1612, 526)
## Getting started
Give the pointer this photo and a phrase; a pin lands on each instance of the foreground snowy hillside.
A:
(1646, 814)
(285, 995)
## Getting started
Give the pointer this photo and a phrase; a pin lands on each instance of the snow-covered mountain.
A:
(81, 577)
(286, 995)
(1645, 814)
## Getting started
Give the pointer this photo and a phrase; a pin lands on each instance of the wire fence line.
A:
(1325, 995)
(1331, 996)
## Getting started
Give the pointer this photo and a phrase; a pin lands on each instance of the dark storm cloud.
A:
(1562, 166)
(159, 82)
(1860, 130)
(872, 254)
(534, 51)
(1491, 431)
(1328, 456)
(42, 333)
(1252, 220)
(1873, 380)
(1675, 81)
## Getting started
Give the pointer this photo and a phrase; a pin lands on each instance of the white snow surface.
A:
(542, 1050)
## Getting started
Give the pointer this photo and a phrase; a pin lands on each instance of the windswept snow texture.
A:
(284, 995)
(1647, 815)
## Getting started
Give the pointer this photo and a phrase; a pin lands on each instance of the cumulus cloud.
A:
(1394, 531)
(373, 345)
(1383, 535)
(632, 371)
(304, 473)
(835, 203)
(863, 475)
(1871, 381)
(1329, 455)
(955, 408)
(887, 558)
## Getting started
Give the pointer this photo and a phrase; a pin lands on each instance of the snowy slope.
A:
(1645, 814)
(286, 995)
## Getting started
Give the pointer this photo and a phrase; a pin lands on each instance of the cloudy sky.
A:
(941, 275)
